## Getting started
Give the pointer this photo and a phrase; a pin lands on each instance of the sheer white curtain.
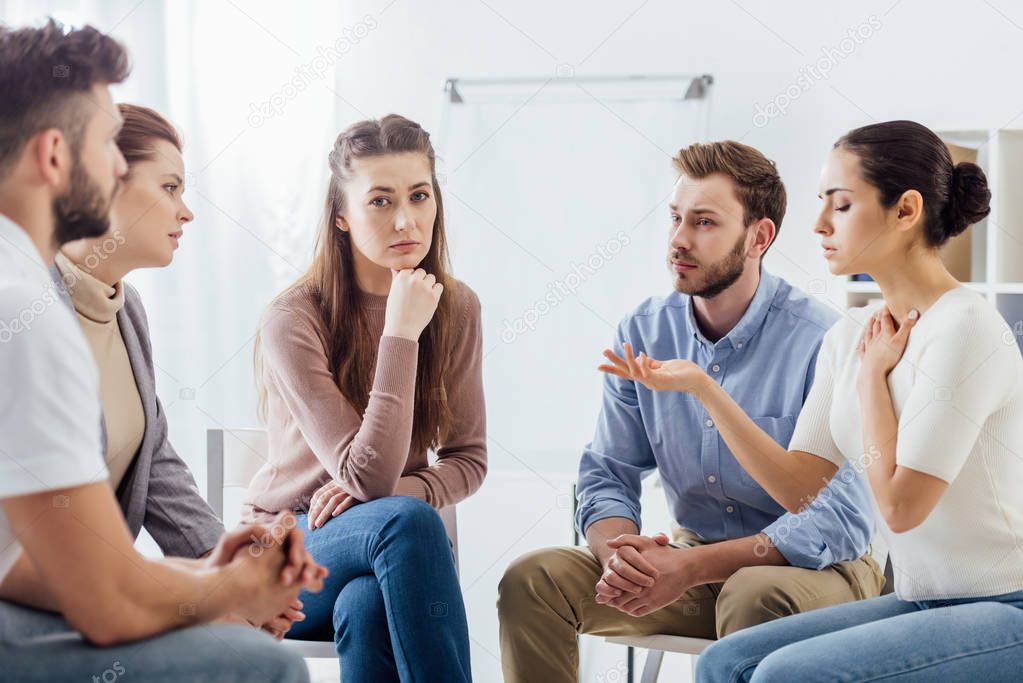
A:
(251, 87)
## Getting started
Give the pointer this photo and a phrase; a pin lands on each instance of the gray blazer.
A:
(158, 491)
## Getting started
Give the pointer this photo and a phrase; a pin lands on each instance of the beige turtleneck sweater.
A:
(97, 305)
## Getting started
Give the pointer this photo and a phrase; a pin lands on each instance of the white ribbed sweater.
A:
(958, 397)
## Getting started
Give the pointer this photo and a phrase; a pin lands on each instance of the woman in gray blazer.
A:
(153, 485)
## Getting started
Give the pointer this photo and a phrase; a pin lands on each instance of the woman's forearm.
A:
(792, 478)
(370, 465)
(880, 438)
(716, 562)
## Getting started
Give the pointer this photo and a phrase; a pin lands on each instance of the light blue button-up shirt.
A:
(766, 363)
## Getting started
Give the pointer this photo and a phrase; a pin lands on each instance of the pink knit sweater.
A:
(315, 435)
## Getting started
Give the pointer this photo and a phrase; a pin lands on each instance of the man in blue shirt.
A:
(738, 559)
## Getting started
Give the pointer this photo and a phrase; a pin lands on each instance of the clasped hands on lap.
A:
(641, 574)
(277, 565)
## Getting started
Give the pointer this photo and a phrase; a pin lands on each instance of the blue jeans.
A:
(392, 603)
(979, 640)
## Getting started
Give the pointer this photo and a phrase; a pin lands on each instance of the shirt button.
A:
(710, 422)
(729, 509)
(711, 478)
(716, 368)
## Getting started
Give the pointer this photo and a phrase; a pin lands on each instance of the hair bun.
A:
(969, 199)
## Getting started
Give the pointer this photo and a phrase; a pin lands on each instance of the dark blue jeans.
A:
(968, 640)
(392, 603)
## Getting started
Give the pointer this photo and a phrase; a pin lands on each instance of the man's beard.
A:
(81, 212)
(718, 276)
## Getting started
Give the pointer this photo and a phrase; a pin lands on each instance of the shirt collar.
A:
(750, 322)
(25, 258)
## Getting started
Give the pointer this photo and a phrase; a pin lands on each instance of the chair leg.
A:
(692, 666)
(652, 666)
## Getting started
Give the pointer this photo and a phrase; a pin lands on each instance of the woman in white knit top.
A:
(924, 395)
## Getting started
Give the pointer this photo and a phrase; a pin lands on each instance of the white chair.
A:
(232, 458)
(657, 645)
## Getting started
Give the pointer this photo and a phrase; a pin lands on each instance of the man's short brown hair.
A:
(758, 186)
(45, 77)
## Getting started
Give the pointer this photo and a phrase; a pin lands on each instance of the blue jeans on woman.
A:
(979, 640)
(392, 603)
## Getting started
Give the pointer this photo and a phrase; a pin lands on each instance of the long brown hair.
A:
(331, 281)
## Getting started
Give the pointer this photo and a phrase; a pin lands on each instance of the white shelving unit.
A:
(995, 245)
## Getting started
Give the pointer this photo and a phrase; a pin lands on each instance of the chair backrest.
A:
(233, 456)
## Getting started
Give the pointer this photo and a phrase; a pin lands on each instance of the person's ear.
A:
(908, 210)
(341, 223)
(763, 231)
(51, 155)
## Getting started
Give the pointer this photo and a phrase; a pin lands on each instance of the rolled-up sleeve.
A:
(835, 527)
(614, 463)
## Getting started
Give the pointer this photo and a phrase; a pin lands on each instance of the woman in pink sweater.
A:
(369, 361)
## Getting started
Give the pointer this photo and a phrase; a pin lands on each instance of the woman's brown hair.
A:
(331, 281)
(143, 127)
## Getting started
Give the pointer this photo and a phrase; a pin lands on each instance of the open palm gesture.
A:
(668, 375)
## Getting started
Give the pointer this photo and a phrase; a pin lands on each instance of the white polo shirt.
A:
(49, 387)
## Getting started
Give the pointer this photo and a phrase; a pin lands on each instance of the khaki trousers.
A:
(546, 598)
